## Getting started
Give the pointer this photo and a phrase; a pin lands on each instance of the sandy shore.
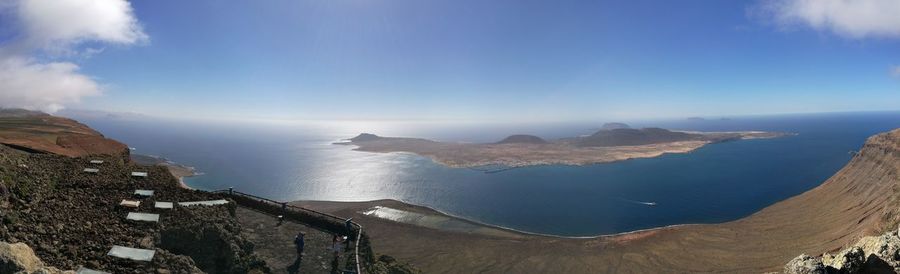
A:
(181, 172)
(178, 170)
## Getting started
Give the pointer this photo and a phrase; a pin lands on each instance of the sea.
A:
(298, 160)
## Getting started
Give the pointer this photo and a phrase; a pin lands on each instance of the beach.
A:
(178, 170)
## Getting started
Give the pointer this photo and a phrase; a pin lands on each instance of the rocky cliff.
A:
(877, 172)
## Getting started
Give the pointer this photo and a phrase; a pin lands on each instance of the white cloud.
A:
(848, 18)
(895, 72)
(58, 26)
(44, 86)
(55, 24)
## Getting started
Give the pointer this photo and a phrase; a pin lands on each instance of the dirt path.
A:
(275, 244)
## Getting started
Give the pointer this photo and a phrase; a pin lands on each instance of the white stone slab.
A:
(139, 174)
(84, 270)
(130, 203)
(91, 170)
(96, 162)
(164, 205)
(143, 192)
(131, 253)
(204, 203)
(146, 217)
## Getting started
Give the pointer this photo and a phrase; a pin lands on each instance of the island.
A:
(613, 142)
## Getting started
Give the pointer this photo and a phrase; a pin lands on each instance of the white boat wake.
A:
(639, 202)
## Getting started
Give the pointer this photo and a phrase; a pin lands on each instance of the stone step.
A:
(143, 192)
(204, 203)
(164, 205)
(138, 174)
(130, 203)
(136, 254)
(146, 217)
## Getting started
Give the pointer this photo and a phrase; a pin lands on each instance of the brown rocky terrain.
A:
(71, 218)
(860, 200)
(44, 133)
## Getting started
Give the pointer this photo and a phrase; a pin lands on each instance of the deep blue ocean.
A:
(717, 183)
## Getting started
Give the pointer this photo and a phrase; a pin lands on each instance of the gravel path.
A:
(275, 244)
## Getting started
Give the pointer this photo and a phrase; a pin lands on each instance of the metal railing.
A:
(313, 218)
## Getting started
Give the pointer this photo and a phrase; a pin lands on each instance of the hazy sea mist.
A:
(717, 183)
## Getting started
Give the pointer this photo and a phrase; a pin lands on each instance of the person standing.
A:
(349, 225)
(300, 242)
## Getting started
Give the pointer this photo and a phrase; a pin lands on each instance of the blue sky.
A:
(484, 60)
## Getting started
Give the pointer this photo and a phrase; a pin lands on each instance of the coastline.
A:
(179, 171)
(857, 201)
(559, 152)
(181, 181)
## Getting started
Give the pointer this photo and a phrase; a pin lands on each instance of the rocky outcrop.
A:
(19, 258)
(875, 254)
(805, 264)
(212, 238)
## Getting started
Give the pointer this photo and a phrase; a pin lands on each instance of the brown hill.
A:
(634, 137)
(611, 126)
(43, 133)
(522, 139)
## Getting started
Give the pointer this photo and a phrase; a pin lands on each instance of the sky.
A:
(502, 60)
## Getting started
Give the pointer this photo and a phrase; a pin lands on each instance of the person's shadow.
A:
(295, 268)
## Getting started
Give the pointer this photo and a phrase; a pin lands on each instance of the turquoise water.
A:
(717, 183)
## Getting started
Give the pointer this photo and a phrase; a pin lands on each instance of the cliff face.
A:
(858, 201)
(43, 133)
(876, 171)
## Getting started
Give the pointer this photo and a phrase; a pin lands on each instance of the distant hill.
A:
(38, 132)
(19, 113)
(633, 137)
(522, 139)
(364, 137)
(611, 126)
